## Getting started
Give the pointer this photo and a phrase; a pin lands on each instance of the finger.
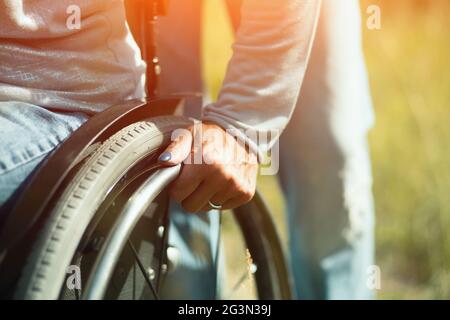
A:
(221, 197)
(178, 150)
(200, 197)
(187, 182)
(233, 204)
(236, 202)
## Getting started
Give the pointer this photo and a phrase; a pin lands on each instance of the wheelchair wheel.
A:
(111, 222)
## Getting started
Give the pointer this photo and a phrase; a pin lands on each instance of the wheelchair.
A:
(99, 202)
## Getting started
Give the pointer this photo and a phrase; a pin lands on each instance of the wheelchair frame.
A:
(33, 205)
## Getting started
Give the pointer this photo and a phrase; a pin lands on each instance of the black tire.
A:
(58, 240)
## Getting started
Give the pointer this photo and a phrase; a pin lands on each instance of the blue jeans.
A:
(330, 216)
(28, 134)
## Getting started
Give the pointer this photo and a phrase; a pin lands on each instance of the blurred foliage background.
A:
(409, 68)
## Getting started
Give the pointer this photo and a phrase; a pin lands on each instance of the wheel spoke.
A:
(246, 275)
(163, 247)
(77, 260)
(217, 255)
(142, 268)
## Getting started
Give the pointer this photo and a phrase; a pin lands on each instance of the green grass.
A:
(409, 67)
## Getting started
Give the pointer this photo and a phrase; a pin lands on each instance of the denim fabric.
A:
(330, 214)
(197, 238)
(27, 134)
(325, 169)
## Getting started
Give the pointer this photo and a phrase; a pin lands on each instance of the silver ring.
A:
(214, 206)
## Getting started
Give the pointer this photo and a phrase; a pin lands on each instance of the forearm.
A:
(264, 75)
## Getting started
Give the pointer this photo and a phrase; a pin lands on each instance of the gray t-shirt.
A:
(46, 60)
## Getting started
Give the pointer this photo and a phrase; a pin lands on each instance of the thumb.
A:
(178, 150)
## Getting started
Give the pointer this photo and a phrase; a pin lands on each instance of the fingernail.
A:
(165, 156)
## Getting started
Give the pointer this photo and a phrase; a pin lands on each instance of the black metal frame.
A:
(151, 10)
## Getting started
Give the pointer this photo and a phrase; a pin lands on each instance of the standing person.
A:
(325, 167)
